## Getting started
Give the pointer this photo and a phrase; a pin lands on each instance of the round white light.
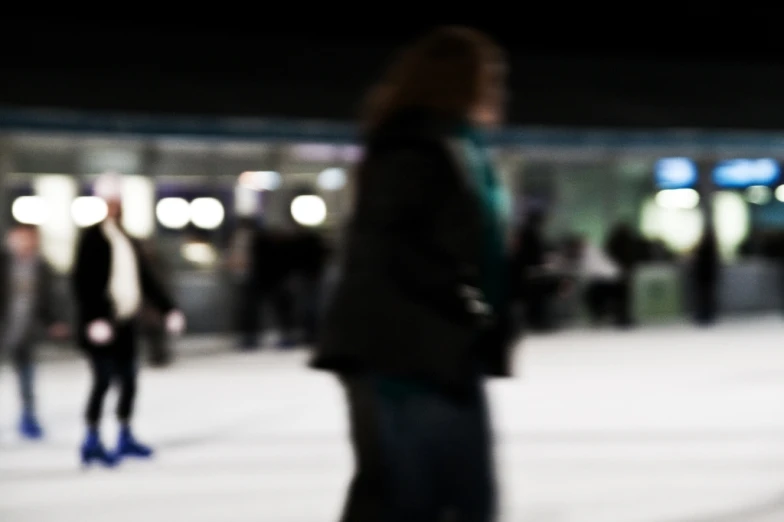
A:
(261, 180)
(332, 179)
(174, 213)
(758, 195)
(207, 213)
(309, 211)
(30, 210)
(780, 193)
(199, 253)
(684, 199)
(88, 211)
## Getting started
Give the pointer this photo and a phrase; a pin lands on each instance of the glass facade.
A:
(185, 194)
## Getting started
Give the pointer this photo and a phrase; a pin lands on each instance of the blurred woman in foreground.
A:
(419, 314)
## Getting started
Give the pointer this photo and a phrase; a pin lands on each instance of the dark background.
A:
(624, 68)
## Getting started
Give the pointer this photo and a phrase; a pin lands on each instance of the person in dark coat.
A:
(269, 266)
(310, 255)
(706, 270)
(111, 280)
(623, 247)
(27, 301)
(420, 313)
(152, 325)
(241, 264)
(537, 287)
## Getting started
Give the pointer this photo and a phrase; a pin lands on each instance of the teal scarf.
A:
(494, 209)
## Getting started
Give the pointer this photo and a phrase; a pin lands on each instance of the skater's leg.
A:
(394, 479)
(126, 374)
(466, 467)
(102, 369)
(22, 358)
(24, 366)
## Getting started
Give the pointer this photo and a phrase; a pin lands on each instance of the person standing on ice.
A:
(27, 301)
(419, 315)
(111, 280)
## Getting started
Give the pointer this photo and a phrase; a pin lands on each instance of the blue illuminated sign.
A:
(675, 173)
(742, 173)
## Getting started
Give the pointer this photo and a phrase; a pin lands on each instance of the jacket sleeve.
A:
(395, 197)
(5, 286)
(86, 281)
(152, 288)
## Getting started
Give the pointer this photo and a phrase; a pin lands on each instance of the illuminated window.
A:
(678, 199)
(246, 200)
(732, 220)
(309, 211)
(332, 179)
(200, 254)
(207, 213)
(58, 234)
(675, 173)
(173, 213)
(88, 211)
(30, 210)
(679, 228)
(759, 195)
(138, 199)
(261, 180)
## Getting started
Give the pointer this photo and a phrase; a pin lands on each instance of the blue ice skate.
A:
(29, 428)
(93, 451)
(128, 446)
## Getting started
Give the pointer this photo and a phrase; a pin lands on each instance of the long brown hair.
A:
(444, 72)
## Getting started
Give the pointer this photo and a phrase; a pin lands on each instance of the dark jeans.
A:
(115, 363)
(22, 358)
(419, 457)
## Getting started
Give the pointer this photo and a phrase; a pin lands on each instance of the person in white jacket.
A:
(111, 280)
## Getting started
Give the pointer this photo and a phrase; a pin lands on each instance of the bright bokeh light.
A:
(310, 211)
(780, 193)
(759, 195)
(138, 201)
(59, 233)
(88, 211)
(679, 228)
(678, 199)
(201, 254)
(247, 201)
(261, 180)
(207, 213)
(732, 219)
(30, 210)
(174, 213)
(332, 179)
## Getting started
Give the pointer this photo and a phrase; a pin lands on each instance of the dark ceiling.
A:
(563, 74)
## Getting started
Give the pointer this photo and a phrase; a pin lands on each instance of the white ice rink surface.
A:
(665, 424)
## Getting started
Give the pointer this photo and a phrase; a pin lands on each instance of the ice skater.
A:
(111, 280)
(420, 314)
(27, 301)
